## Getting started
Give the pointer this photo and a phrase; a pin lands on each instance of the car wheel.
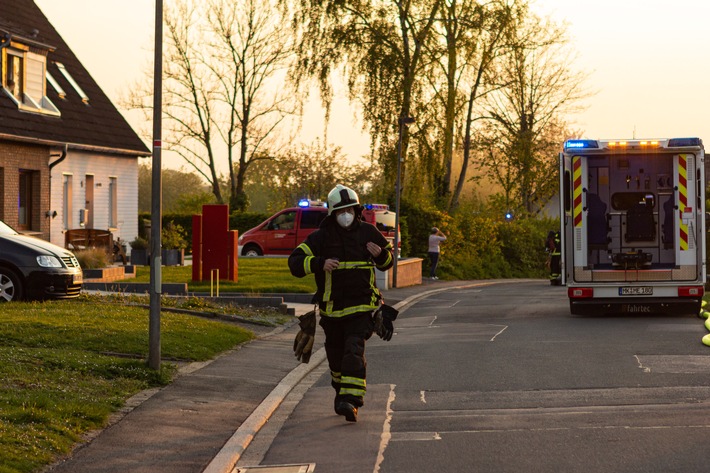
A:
(10, 286)
(252, 250)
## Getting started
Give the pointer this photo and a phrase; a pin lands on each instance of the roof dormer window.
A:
(24, 79)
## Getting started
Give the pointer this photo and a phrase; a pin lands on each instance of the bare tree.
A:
(380, 46)
(528, 112)
(224, 98)
(311, 172)
(473, 35)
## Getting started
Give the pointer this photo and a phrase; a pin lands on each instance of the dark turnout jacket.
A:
(351, 287)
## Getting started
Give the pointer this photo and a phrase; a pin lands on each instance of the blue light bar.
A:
(376, 206)
(304, 203)
(682, 142)
(581, 144)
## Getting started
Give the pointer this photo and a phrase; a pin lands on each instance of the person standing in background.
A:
(435, 238)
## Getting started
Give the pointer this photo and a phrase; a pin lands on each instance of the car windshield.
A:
(5, 229)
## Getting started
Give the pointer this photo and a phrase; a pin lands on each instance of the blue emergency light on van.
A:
(304, 203)
(683, 142)
(581, 144)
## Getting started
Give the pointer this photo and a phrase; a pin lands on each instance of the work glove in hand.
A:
(383, 318)
(303, 343)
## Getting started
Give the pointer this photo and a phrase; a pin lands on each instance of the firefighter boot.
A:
(344, 408)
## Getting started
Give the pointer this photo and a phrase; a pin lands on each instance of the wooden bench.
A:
(83, 238)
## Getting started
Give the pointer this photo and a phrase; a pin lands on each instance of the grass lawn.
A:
(255, 275)
(62, 375)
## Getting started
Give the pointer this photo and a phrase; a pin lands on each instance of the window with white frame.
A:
(67, 196)
(25, 79)
(112, 202)
(70, 79)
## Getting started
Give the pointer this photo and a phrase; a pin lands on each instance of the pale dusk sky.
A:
(647, 60)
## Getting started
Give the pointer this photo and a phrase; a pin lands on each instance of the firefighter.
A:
(553, 247)
(343, 254)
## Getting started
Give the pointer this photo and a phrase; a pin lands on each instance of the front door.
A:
(89, 223)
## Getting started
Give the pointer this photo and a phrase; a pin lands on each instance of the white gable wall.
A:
(79, 164)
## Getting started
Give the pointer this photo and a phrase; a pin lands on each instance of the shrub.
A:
(173, 237)
(93, 258)
(139, 243)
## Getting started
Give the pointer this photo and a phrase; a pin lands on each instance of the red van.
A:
(286, 229)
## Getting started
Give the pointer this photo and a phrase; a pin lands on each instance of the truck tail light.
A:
(580, 292)
(690, 291)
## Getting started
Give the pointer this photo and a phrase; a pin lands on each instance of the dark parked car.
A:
(31, 268)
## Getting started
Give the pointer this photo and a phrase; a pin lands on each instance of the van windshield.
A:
(385, 221)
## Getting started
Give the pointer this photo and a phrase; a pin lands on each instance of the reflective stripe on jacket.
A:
(350, 288)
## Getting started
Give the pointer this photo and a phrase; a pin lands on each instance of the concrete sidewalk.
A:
(205, 419)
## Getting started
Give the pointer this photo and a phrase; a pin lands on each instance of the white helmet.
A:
(341, 197)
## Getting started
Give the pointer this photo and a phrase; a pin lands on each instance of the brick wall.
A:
(20, 156)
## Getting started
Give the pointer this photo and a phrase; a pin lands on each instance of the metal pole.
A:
(403, 121)
(156, 197)
(397, 187)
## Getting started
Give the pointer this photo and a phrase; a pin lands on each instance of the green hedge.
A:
(478, 246)
(240, 221)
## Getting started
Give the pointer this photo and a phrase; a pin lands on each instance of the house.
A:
(68, 158)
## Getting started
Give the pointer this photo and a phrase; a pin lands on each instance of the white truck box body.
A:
(632, 216)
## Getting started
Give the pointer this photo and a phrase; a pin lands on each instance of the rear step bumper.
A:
(636, 305)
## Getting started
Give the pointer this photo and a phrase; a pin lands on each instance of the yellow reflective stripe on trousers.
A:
(354, 392)
(353, 381)
(335, 376)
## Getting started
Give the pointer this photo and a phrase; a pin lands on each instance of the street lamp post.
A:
(156, 197)
(403, 121)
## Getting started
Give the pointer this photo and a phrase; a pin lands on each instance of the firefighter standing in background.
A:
(343, 254)
(553, 247)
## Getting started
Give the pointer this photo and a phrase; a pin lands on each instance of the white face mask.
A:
(345, 219)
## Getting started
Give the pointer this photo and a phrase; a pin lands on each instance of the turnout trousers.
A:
(345, 349)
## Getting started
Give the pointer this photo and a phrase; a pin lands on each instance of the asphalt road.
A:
(500, 378)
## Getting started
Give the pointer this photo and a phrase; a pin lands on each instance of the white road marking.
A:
(386, 433)
(503, 330)
(415, 436)
(421, 396)
(404, 436)
(432, 321)
(645, 369)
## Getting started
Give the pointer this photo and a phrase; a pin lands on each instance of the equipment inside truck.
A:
(626, 226)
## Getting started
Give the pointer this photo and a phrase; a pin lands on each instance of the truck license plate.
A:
(636, 291)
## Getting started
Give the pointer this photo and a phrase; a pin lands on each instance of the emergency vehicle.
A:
(286, 229)
(632, 217)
